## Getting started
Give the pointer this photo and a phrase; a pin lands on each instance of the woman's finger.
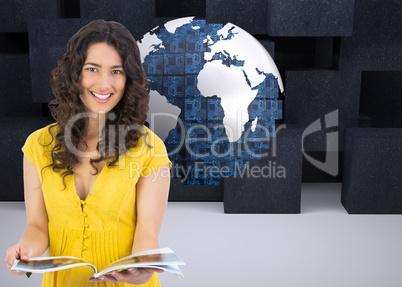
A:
(119, 276)
(93, 279)
(17, 272)
(108, 278)
(25, 252)
(157, 270)
(12, 254)
(135, 272)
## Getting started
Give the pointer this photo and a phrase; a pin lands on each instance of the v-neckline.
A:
(93, 186)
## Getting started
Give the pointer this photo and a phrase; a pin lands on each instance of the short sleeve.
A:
(35, 146)
(156, 157)
(29, 147)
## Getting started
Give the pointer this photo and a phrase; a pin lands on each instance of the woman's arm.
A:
(152, 197)
(35, 238)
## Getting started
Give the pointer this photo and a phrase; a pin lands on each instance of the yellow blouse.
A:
(99, 229)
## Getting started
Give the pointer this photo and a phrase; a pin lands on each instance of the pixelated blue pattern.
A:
(227, 60)
(215, 110)
(207, 155)
(194, 62)
(174, 64)
(154, 67)
(195, 109)
(156, 83)
(173, 86)
(191, 85)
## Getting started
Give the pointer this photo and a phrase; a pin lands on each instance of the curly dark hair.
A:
(129, 112)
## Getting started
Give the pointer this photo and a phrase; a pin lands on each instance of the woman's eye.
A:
(116, 72)
(92, 69)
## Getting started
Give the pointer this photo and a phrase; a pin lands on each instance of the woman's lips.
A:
(101, 97)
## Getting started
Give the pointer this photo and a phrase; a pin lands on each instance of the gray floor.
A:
(321, 247)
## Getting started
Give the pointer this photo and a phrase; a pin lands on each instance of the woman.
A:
(97, 181)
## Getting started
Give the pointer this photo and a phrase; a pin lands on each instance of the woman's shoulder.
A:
(38, 143)
(147, 141)
(151, 137)
(44, 135)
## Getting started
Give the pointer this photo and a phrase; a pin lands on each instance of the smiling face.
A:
(103, 79)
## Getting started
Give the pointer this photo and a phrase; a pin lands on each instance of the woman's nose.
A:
(104, 80)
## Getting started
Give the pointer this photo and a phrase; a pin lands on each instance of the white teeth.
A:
(102, 97)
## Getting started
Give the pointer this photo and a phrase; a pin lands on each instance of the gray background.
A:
(322, 246)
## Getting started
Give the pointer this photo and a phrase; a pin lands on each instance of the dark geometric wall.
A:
(332, 55)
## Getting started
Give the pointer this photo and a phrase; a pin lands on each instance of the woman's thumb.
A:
(25, 252)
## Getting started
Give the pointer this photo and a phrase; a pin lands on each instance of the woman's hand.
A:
(135, 276)
(19, 251)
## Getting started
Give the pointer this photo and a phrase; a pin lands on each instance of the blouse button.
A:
(86, 225)
(84, 214)
(83, 202)
(85, 236)
(84, 248)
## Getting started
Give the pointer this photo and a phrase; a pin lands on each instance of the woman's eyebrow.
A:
(97, 65)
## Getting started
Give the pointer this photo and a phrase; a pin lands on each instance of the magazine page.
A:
(170, 268)
(49, 264)
(147, 252)
(156, 258)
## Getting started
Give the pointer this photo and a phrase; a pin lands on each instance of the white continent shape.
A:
(216, 79)
(229, 83)
(162, 115)
(246, 48)
(158, 104)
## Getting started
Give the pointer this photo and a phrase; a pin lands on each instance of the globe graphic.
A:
(214, 99)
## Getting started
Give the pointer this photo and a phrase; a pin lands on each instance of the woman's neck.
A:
(95, 126)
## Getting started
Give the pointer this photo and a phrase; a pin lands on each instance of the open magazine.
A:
(163, 258)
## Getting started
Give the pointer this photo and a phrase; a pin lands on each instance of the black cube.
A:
(272, 184)
(313, 18)
(13, 133)
(372, 177)
(47, 43)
